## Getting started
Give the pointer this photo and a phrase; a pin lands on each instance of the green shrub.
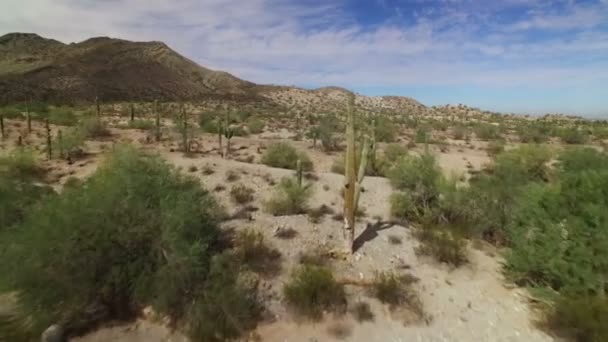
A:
(285, 156)
(17, 197)
(311, 290)
(423, 135)
(95, 128)
(62, 116)
(385, 129)
(20, 164)
(142, 124)
(486, 132)
(241, 194)
(71, 143)
(208, 121)
(290, 198)
(253, 251)
(392, 152)
(533, 133)
(136, 233)
(11, 113)
(460, 132)
(581, 317)
(327, 128)
(396, 290)
(495, 148)
(442, 244)
(573, 135)
(255, 125)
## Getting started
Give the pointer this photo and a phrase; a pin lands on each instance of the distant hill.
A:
(112, 69)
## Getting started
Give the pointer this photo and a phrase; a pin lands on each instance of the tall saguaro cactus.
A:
(49, 147)
(353, 175)
(185, 130)
(157, 113)
(132, 111)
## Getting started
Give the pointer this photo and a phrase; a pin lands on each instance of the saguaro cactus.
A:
(185, 130)
(60, 144)
(2, 125)
(28, 117)
(353, 176)
(299, 172)
(228, 134)
(157, 113)
(49, 146)
(220, 133)
(132, 111)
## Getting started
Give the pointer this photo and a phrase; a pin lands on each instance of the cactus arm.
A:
(361, 173)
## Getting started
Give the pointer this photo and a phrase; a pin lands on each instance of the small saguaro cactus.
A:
(299, 171)
(2, 125)
(132, 112)
(228, 134)
(220, 133)
(97, 107)
(157, 113)
(185, 130)
(353, 176)
(49, 146)
(60, 143)
(28, 116)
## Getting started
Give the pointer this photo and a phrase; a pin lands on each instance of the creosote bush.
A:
(135, 233)
(285, 156)
(289, 198)
(253, 251)
(311, 290)
(396, 290)
(241, 194)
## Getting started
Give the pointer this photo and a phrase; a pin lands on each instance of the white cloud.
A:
(318, 42)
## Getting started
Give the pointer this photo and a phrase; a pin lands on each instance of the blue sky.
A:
(527, 56)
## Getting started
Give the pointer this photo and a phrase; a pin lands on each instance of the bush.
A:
(95, 128)
(136, 233)
(385, 130)
(487, 132)
(208, 121)
(255, 125)
(62, 116)
(573, 135)
(71, 143)
(460, 132)
(290, 198)
(581, 317)
(17, 196)
(253, 252)
(396, 290)
(312, 290)
(495, 148)
(442, 244)
(20, 164)
(392, 152)
(423, 135)
(241, 194)
(533, 133)
(142, 124)
(285, 156)
(327, 127)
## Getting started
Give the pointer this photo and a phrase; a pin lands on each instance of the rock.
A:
(54, 333)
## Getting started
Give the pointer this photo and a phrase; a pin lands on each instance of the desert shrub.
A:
(486, 132)
(443, 244)
(395, 290)
(95, 128)
(253, 251)
(285, 156)
(315, 215)
(232, 176)
(460, 132)
(392, 152)
(11, 113)
(17, 196)
(61, 116)
(573, 135)
(241, 194)
(208, 121)
(255, 125)
(495, 147)
(416, 178)
(290, 198)
(362, 312)
(20, 164)
(385, 129)
(71, 143)
(422, 135)
(311, 290)
(327, 127)
(533, 133)
(142, 124)
(337, 166)
(526, 163)
(583, 318)
(135, 233)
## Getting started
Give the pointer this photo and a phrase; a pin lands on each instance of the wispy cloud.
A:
(315, 42)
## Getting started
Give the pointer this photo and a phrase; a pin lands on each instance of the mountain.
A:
(111, 69)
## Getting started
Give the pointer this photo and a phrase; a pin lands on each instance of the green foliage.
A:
(141, 124)
(135, 233)
(11, 113)
(20, 164)
(385, 129)
(255, 125)
(533, 133)
(486, 132)
(17, 196)
(285, 156)
(95, 128)
(395, 290)
(241, 194)
(581, 317)
(70, 144)
(460, 132)
(495, 148)
(422, 135)
(573, 135)
(62, 116)
(209, 122)
(312, 290)
(290, 198)
(392, 152)
(253, 252)
(442, 244)
(327, 128)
